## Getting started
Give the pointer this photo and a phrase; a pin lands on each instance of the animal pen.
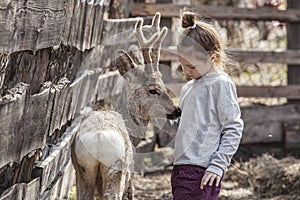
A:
(52, 56)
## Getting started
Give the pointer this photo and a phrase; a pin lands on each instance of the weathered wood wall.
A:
(51, 58)
(33, 25)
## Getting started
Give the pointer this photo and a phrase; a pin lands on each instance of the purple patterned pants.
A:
(186, 181)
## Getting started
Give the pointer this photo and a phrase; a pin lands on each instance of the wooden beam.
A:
(217, 12)
(118, 31)
(285, 57)
(25, 191)
(290, 91)
(293, 42)
(264, 124)
(58, 158)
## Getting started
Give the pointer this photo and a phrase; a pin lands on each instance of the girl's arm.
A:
(229, 115)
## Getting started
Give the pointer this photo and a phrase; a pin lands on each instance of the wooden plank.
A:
(87, 89)
(30, 25)
(291, 134)
(247, 56)
(28, 68)
(252, 56)
(24, 191)
(109, 84)
(293, 42)
(217, 12)
(264, 124)
(118, 31)
(290, 91)
(61, 187)
(50, 168)
(35, 122)
(75, 92)
(60, 91)
(33, 25)
(90, 87)
(84, 22)
(12, 111)
(49, 64)
(24, 172)
(25, 125)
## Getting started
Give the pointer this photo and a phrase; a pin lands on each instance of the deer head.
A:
(147, 96)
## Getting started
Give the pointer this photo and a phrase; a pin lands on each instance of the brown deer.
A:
(102, 151)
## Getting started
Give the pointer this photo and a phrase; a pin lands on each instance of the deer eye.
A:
(153, 92)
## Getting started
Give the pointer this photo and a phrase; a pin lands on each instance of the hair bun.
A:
(188, 19)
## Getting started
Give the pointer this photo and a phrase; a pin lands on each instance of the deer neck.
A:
(136, 127)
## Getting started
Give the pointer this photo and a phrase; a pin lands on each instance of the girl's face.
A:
(195, 65)
(189, 69)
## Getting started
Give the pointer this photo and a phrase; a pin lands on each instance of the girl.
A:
(210, 126)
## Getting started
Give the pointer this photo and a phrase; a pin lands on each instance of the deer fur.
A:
(102, 151)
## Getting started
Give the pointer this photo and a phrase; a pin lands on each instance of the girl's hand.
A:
(209, 177)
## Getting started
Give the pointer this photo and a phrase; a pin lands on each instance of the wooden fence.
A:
(290, 56)
(263, 124)
(51, 59)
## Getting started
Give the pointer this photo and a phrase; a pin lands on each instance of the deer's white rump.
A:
(107, 145)
(102, 155)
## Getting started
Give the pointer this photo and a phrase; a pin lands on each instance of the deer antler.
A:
(145, 45)
(157, 47)
(155, 27)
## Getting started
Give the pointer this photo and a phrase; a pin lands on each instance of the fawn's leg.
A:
(86, 167)
(114, 184)
(129, 190)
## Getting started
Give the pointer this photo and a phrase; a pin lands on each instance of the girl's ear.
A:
(212, 57)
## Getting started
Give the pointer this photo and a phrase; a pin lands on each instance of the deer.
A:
(103, 148)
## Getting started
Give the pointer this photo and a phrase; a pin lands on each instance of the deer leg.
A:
(86, 168)
(129, 191)
(99, 183)
(114, 184)
(85, 182)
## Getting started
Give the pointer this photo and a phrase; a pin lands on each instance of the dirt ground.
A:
(264, 177)
(157, 186)
(261, 178)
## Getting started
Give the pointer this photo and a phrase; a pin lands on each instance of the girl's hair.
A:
(203, 37)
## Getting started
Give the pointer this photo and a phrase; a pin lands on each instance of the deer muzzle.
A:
(175, 114)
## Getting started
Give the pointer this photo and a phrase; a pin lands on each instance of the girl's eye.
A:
(191, 66)
(153, 92)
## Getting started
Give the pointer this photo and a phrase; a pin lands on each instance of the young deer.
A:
(102, 150)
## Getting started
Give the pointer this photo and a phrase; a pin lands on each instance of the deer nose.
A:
(175, 114)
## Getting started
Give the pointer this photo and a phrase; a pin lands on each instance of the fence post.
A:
(293, 43)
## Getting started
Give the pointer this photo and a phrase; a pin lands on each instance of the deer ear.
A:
(126, 66)
(124, 62)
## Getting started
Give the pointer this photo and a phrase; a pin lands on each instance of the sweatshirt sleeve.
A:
(229, 115)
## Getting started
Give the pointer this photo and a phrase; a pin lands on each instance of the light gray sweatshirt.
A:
(210, 127)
